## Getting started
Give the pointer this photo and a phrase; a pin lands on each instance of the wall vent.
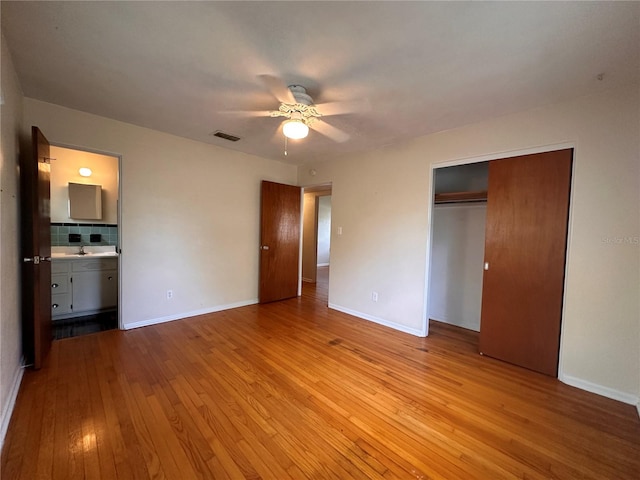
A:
(226, 136)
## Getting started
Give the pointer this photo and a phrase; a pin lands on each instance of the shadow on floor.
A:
(74, 327)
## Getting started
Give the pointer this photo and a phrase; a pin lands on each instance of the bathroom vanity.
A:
(83, 284)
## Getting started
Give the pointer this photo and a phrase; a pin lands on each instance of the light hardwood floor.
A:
(295, 390)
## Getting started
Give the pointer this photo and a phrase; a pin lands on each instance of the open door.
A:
(525, 248)
(36, 250)
(279, 241)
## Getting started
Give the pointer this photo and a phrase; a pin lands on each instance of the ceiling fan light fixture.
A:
(295, 129)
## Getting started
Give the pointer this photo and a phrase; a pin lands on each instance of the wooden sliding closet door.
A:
(525, 246)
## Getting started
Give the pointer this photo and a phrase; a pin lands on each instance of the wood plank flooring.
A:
(295, 390)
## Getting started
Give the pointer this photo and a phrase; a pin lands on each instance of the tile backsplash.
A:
(60, 233)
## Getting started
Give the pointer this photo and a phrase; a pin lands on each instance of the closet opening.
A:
(457, 244)
(498, 254)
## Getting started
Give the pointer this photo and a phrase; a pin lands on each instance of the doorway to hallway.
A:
(316, 239)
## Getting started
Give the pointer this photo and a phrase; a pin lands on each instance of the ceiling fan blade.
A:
(278, 88)
(341, 108)
(248, 113)
(330, 131)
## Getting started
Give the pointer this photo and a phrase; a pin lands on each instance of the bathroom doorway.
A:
(85, 241)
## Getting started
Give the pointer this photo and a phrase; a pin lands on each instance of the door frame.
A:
(486, 158)
(307, 189)
(321, 190)
(119, 210)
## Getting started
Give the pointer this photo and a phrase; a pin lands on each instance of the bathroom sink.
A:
(90, 252)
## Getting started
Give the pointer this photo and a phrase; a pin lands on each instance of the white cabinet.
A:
(60, 289)
(83, 286)
(95, 290)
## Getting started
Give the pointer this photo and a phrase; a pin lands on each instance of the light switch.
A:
(339, 230)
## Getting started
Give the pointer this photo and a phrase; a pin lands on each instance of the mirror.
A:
(85, 201)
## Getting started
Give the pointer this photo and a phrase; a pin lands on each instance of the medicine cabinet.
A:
(85, 201)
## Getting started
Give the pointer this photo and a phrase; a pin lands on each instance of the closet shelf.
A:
(460, 197)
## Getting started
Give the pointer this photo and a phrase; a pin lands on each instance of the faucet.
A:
(81, 251)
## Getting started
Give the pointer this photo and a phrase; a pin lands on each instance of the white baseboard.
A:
(195, 313)
(322, 265)
(11, 403)
(600, 390)
(380, 321)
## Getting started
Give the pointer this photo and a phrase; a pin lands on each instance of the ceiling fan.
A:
(301, 113)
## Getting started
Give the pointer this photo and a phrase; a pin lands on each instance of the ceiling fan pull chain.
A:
(285, 145)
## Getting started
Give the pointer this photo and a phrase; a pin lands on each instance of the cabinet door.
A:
(109, 288)
(60, 289)
(59, 283)
(95, 290)
(60, 304)
(525, 245)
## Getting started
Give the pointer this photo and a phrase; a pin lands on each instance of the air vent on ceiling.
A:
(226, 136)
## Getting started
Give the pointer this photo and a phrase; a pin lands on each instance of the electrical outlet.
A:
(374, 296)
(169, 294)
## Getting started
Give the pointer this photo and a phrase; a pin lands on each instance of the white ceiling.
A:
(423, 67)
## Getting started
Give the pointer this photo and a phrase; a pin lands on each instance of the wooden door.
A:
(525, 246)
(279, 241)
(36, 250)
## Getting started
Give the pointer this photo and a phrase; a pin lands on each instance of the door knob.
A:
(264, 247)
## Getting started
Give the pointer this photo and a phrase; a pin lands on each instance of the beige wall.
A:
(381, 200)
(64, 169)
(190, 214)
(10, 335)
